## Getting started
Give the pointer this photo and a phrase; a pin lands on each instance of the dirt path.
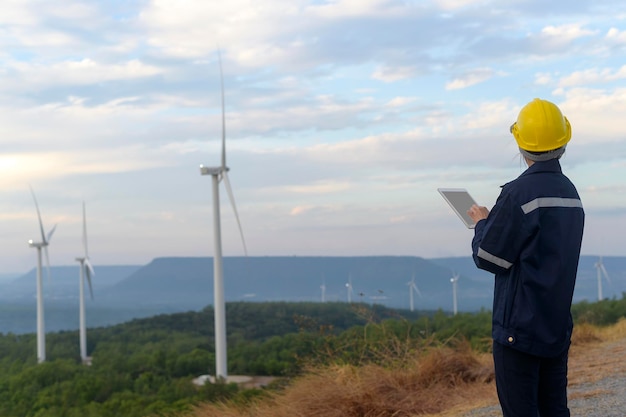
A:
(592, 362)
(597, 385)
(597, 379)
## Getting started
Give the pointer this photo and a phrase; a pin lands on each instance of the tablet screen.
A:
(460, 201)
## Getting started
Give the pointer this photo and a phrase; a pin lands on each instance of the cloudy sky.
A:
(343, 117)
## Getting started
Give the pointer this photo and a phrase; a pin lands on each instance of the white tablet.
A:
(460, 201)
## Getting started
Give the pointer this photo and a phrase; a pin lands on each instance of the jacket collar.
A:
(553, 165)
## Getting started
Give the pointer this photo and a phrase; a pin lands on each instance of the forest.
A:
(146, 367)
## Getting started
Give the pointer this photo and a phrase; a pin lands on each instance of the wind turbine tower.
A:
(323, 288)
(413, 288)
(349, 288)
(601, 271)
(217, 174)
(454, 280)
(86, 272)
(45, 240)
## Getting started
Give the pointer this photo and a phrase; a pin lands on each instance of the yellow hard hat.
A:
(541, 127)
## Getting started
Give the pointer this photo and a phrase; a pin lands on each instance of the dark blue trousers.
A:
(530, 386)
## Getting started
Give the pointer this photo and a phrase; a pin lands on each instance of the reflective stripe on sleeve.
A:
(503, 263)
(551, 202)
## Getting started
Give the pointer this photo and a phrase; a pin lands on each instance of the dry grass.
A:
(591, 361)
(429, 382)
(437, 381)
(615, 332)
(585, 334)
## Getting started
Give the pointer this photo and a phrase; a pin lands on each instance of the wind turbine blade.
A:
(45, 251)
(50, 233)
(88, 272)
(85, 233)
(606, 274)
(219, 54)
(89, 267)
(231, 197)
(43, 235)
(417, 290)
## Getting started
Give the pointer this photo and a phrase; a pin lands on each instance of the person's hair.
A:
(543, 156)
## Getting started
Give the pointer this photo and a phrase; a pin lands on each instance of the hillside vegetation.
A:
(373, 355)
(439, 381)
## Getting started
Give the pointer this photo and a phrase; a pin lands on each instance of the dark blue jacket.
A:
(531, 241)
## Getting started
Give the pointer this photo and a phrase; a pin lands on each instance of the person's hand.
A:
(478, 213)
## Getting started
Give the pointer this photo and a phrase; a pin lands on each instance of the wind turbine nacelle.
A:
(212, 170)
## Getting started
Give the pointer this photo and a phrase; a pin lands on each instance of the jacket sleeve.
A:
(498, 239)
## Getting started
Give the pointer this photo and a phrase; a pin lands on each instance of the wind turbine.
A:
(349, 288)
(86, 271)
(454, 280)
(217, 174)
(413, 288)
(601, 271)
(45, 240)
(323, 288)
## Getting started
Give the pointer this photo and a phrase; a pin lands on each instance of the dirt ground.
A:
(591, 361)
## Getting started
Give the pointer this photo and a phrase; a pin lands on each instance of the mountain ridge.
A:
(177, 284)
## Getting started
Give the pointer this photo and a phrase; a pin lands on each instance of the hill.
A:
(177, 284)
(442, 382)
(62, 283)
(187, 282)
(380, 280)
(355, 356)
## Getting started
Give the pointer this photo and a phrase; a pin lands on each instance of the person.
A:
(531, 241)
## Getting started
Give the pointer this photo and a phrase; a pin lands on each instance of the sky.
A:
(343, 117)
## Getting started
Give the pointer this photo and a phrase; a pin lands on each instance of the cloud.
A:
(20, 168)
(336, 9)
(192, 29)
(342, 117)
(616, 36)
(566, 33)
(42, 28)
(594, 112)
(496, 115)
(321, 113)
(451, 5)
(543, 78)
(400, 101)
(296, 211)
(440, 140)
(86, 71)
(71, 123)
(325, 187)
(593, 76)
(391, 74)
(470, 78)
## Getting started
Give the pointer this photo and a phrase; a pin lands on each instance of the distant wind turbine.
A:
(45, 240)
(217, 174)
(349, 288)
(86, 272)
(323, 288)
(413, 288)
(601, 271)
(454, 280)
